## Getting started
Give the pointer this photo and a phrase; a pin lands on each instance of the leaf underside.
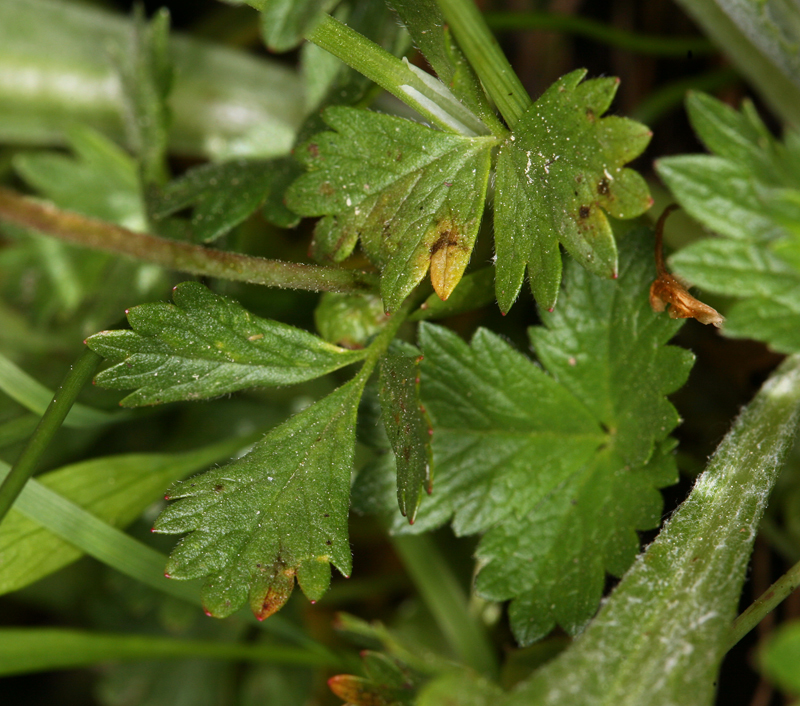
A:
(206, 345)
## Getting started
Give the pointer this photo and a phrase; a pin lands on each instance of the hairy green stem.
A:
(447, 602)
(424, 93)
(765, 604)
(677, 47)
(185, 257)
(80, 373)
(487, 59)
(663, 632)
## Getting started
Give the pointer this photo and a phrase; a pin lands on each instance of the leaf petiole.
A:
(765, 604)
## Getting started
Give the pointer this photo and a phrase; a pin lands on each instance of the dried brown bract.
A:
(668, 289)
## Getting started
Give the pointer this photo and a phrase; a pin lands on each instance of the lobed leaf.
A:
(558, 175)
(278, 513)
(747, 192)
(559, 487)
(661, 636)
(413, 195)
(206, 345)
(388, 682)
(225, 194)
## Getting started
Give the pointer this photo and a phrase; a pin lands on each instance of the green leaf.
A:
(754, 37)
(771, 309)
(279, 512)
(100, 180)
(661, 636)
(413, 195)
(112, 488)
(285, 22)
(206, 345)
(407, 428)
(146, 74)
(559, 486)
(780, 657)
(225, 194)
(558, 175)
(116, 549)
(747, 192)
(720, 194)
(726, 192)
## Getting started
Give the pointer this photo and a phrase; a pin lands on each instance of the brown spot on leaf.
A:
(449, 256)
(277, 590)
(590, 115)
(584, 211)
(326, 189)
(602, 187)
(313, 150)
(219, 487)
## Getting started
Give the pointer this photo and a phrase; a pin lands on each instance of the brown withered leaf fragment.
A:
(669, 290)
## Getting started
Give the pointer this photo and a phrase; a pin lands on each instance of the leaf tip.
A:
(449, 255)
